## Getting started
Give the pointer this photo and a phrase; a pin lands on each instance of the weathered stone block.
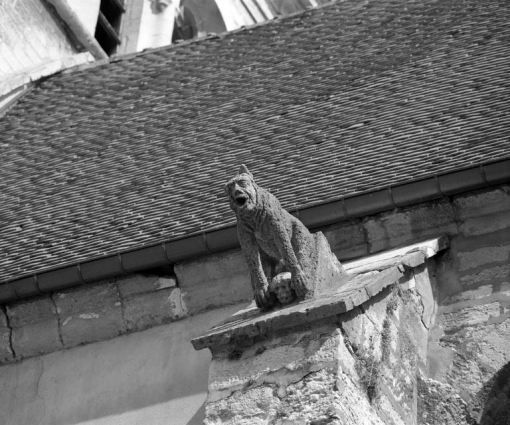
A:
(484, 212)
(35, 331)
(312, 375)
(347, 240)
(6, 354)
(413, 325)
(471, 295)
(90, 313)
(483, 256)
(36, 339)
(258, 406)
(485, 202)
(86, 298)
(214, 281)
(426, 287)
(32, 310)
(90, 327)
(475, 329)
(303, 349)
(438, 403)
(489, 275)
(358, 367)
(485, 224)
(393, 229)
(296, 378)
(153, 308)
(138, 284)
(363, 327)
(315, 399)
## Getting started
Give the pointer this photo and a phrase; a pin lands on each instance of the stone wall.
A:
(470, 345)
(86, 314)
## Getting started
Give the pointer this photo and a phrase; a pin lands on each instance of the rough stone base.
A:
(305, 378)
(439, 404)
(359, 367)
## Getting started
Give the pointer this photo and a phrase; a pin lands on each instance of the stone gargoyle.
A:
(286, 262)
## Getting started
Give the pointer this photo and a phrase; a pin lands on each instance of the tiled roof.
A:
(339, 100)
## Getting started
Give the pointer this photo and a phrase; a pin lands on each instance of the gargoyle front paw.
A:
(298, 283)
(264, 299)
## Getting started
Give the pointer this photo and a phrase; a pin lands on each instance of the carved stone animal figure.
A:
(273, 241)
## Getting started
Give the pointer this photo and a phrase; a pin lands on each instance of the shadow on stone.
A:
(495, 396)
(198, 417)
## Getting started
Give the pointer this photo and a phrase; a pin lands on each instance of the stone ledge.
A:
(370, 276)
(410, 256)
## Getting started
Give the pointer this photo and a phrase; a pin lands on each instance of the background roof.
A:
(336, 101)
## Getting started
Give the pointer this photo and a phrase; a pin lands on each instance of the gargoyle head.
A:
(242, 191)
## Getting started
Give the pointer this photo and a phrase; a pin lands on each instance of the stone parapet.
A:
(89, 313)
(350, 356)
(214, 281)
(35, 327)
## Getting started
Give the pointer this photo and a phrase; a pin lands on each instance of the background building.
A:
(41, 37)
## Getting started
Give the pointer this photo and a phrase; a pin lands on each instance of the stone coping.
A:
(370, 276)
(406, 255)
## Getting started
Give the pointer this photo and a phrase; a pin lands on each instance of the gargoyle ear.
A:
(243, 169)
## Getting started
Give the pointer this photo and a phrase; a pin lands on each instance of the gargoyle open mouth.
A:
(241, 200)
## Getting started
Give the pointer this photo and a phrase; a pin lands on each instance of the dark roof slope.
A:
(336, 101)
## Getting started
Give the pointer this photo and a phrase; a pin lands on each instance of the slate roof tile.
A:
(342, 99)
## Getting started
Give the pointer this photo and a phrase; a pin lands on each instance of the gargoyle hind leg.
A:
(263, 298)
(298, 277)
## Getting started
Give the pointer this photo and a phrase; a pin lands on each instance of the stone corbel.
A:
(347, 356)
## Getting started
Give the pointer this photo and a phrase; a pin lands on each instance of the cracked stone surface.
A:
(354, 367)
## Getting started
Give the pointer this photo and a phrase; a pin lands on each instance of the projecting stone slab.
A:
(251, 322)
(378, 272)
(409, 256)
